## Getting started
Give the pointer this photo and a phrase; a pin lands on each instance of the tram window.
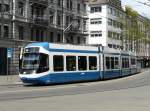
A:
(43, 63)
(112, 63)
(71, 63)
(58, 63)
(82, 63)
(132, 61)
(116, 63)
(123, 62)
(127, 62)
(92, 63)
(107, 60)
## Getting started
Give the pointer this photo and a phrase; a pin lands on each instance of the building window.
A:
(6, 8)
(71, 4)
(110, 10)
(37, 35)
(96, 21)
(68, 3)
(51, 1)
(78, 40)
(58, 37)
(96, 9)
(21, 8)
(82, 63)
(32, 34)
(21, 32)
(85, 25)
(110, 22)
(78, 8)
(96, 33)
(6, 31)
(114, 35)
(0, 31)
(84, 7)
(42, 36)
(59, 2)
(59, 19)
(67, 21)
(58, 63)
(0, 7)
(51, 17)
(51, 37)
(71, 63)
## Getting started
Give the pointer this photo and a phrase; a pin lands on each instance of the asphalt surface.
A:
(79, 96)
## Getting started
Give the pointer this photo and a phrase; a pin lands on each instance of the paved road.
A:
(130, 93)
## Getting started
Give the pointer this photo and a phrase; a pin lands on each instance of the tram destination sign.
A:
(32, 50)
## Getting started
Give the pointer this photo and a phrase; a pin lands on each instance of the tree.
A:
(133, 26)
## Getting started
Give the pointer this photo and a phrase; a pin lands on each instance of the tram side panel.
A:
(125, 65)
(133, 64)
(68, 67)
(111, 66)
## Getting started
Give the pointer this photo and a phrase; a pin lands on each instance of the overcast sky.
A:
(142, 9)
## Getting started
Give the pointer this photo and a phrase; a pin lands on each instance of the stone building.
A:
(25, 21)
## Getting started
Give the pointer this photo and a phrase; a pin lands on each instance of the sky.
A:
(140, 8)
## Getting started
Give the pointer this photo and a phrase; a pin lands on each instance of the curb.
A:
(12, 84)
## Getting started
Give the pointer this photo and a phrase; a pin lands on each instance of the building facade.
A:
(107, 27)
(25, 21)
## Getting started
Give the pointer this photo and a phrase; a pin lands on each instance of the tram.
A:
(49, 63)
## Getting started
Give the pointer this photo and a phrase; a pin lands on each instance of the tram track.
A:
(126, 83)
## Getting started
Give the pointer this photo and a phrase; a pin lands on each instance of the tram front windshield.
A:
(34, 63)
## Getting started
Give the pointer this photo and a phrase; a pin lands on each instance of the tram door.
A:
(3, 61)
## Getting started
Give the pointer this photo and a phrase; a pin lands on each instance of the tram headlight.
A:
(34, 71)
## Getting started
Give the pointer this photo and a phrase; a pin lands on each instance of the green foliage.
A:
(135, 29)
(130, 12)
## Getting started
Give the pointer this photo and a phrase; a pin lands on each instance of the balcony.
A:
(5, 2)
(39, 21)
(39, 2)
(73, 30)
(6, 16)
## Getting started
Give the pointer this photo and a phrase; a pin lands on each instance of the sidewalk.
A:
(9, 80)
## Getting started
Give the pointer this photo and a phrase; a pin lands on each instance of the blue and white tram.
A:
(44, 63)
(47, 63)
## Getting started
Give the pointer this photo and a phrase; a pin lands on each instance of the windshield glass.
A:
(34, 63)
(30, 61)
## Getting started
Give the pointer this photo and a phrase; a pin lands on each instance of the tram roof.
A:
(65, 47)
(108, 50)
